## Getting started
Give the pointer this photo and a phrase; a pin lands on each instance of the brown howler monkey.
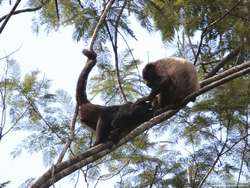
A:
(120, 119)
(171, 80)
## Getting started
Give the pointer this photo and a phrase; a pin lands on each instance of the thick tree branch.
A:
(67, 167)
(225, 73)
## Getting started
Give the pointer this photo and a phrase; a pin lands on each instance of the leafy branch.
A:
(210, 26)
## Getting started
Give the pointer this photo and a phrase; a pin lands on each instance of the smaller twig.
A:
(191, 45)
(21, 11)
(132, 55)
(116, 53)
(199, 48)
(229, 57)
(241, 17)
(80, 4)
(77, 179)
(10, 54)
(154, 178)
(4, 96)
(215, 162)
(210, 26)
(57, 10)
(9, 16)
(102, 178)
(100, 22)
(232, 146)
(70, 138)
(242, 161)
(16, 121)
(115, 48)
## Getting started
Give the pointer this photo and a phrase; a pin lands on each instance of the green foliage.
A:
(197, 15)
(191, 141)
(165, 17)
(106, 79)
(210, 21)
(32, 108)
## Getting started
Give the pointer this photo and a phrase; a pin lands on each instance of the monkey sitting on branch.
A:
(109, 122)
(171, 80)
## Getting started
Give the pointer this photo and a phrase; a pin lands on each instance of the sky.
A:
(59, 58)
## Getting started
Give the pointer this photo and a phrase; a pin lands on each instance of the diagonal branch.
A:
(100, 22)
(214, 164)
(229, 57)
(21, 11)
(225, 73)
(67, 167)
(116, 53)
(9, 15)
(57, 11)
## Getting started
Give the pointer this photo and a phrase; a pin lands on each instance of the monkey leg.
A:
(102, 130)
(115, 135)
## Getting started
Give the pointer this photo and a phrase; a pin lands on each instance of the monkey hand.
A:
(141, 100)
(89, 54)
(158, 112)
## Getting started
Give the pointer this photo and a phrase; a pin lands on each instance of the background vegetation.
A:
(203, 144)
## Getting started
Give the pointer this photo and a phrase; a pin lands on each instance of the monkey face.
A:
(150, 76)
(150, 83)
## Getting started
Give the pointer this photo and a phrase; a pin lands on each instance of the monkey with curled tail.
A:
(109, 122)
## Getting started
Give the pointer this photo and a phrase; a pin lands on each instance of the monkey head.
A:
(150, 76)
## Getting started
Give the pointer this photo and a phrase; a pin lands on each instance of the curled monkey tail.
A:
(81, 95)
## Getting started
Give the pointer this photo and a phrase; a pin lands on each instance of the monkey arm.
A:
(153, 93)
(150, 97)
(163, 85)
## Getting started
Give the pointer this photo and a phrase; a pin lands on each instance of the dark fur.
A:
(128, 117)
(171, 80)
(120, 119)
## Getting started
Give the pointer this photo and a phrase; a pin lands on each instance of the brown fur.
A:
(120, 119)
(171, 80)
